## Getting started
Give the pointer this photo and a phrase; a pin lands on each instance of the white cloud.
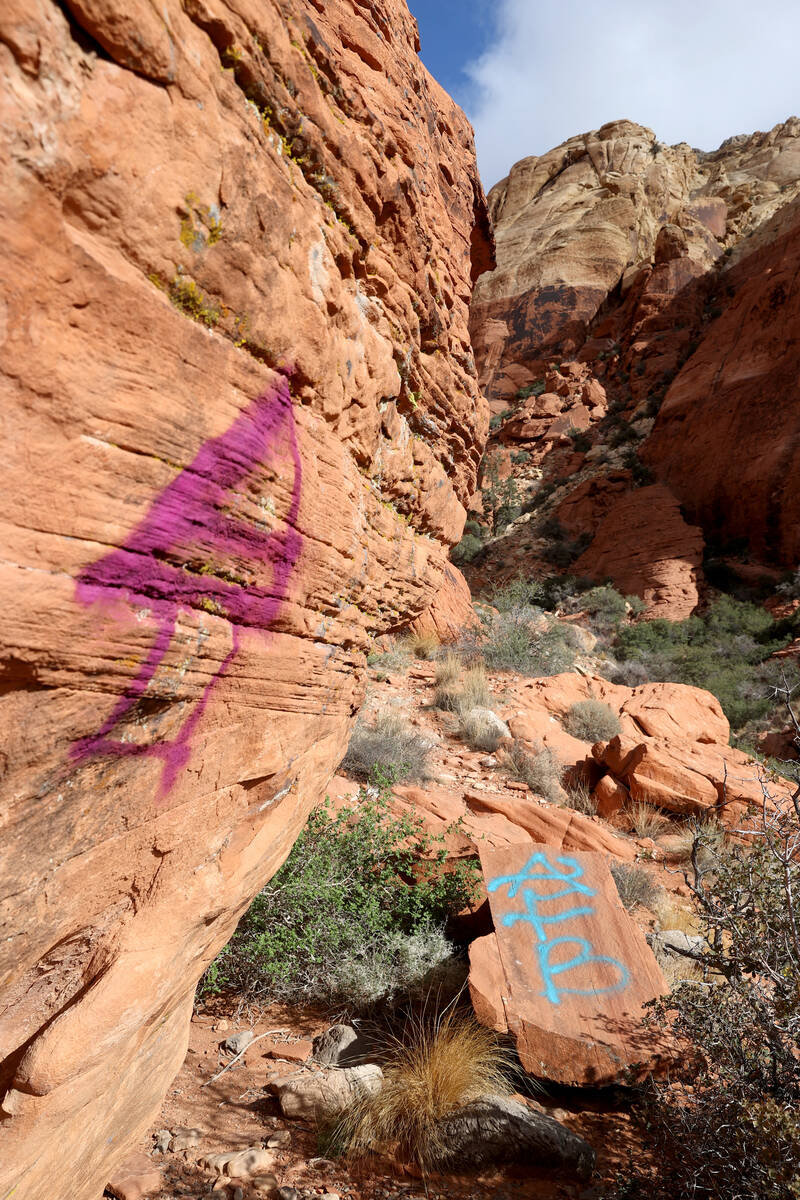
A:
(695, 71)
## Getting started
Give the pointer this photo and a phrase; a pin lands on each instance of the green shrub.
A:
(531, 389)
(721, 651)
(592, 721)
(388, 745)
(734, 1132)
(512, 644)
(606, 607)
(355, 914)
(467, 549)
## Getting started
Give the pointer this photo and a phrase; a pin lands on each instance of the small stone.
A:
(238, 1193)
(281, 1137)
(163, 1139)
(290, 1051)
(221, 1026)
(238, 1042)
(288, 1193)
(185, 1139)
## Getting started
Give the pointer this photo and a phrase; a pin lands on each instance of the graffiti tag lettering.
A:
(569, 874)
(164, 568)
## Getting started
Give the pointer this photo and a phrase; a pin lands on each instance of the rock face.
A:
(647, 549)
(727, 437)
(567, 971)
(571, 223)
(641, 328)
(242, 424)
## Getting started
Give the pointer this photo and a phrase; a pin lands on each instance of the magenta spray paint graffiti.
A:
(162, 567)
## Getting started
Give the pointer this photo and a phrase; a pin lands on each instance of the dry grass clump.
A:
(390, 745)
(422, 645)
(645, 821)
(395, 658)
(635, 885)
(433, 1069)
(459, 690)
(579, 797)
(592, 721)
(479, 731)
(541, 770)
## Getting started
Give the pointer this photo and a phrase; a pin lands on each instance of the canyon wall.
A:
(241, 426)
(641, 328)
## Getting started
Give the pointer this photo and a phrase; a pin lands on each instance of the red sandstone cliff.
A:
(241, 425)
(646, 296)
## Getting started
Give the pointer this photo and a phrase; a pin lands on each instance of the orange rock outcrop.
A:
(242, 424)
(640, 329)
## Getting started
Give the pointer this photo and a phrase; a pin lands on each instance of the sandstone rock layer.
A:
(567, 971)
(641, 329)
(241, 424)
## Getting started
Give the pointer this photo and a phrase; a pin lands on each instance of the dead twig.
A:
(227, 1067)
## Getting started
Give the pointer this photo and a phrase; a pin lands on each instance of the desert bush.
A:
(579, 797)
(635, 885)
(459, 689)
(631, 673)
(541, 770)
(514, 594)
(422, 645)
(562, 549)
(500, 497)
(396, 658)
(722, 651)
(467, 549)
(355, 914)
(735, 1131)
(479, 730)
(562, 592)
(432, 1069)
(789, 589)
(531, 389)
(645, 821)
(592, 721)
(607, 608)
(512, 644)
(388, 745)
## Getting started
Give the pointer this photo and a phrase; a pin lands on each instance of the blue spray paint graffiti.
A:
(569, 873)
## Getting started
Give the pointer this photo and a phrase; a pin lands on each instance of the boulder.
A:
(242, 426)
(491, 721)
(450, 614)
(136, 1179)
(340, 1046)
(646, 548)
(311, 1097)
(498, 1129)
(567, 972)
(240, 1164)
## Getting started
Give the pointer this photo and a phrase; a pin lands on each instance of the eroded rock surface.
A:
(567, 971)
(640, 329)
(241, 427)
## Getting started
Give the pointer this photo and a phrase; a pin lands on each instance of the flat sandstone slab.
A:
(567, 971)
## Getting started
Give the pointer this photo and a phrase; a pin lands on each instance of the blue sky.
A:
(532, 73)
(453, 34)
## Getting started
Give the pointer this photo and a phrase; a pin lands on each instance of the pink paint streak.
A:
(187, 523)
